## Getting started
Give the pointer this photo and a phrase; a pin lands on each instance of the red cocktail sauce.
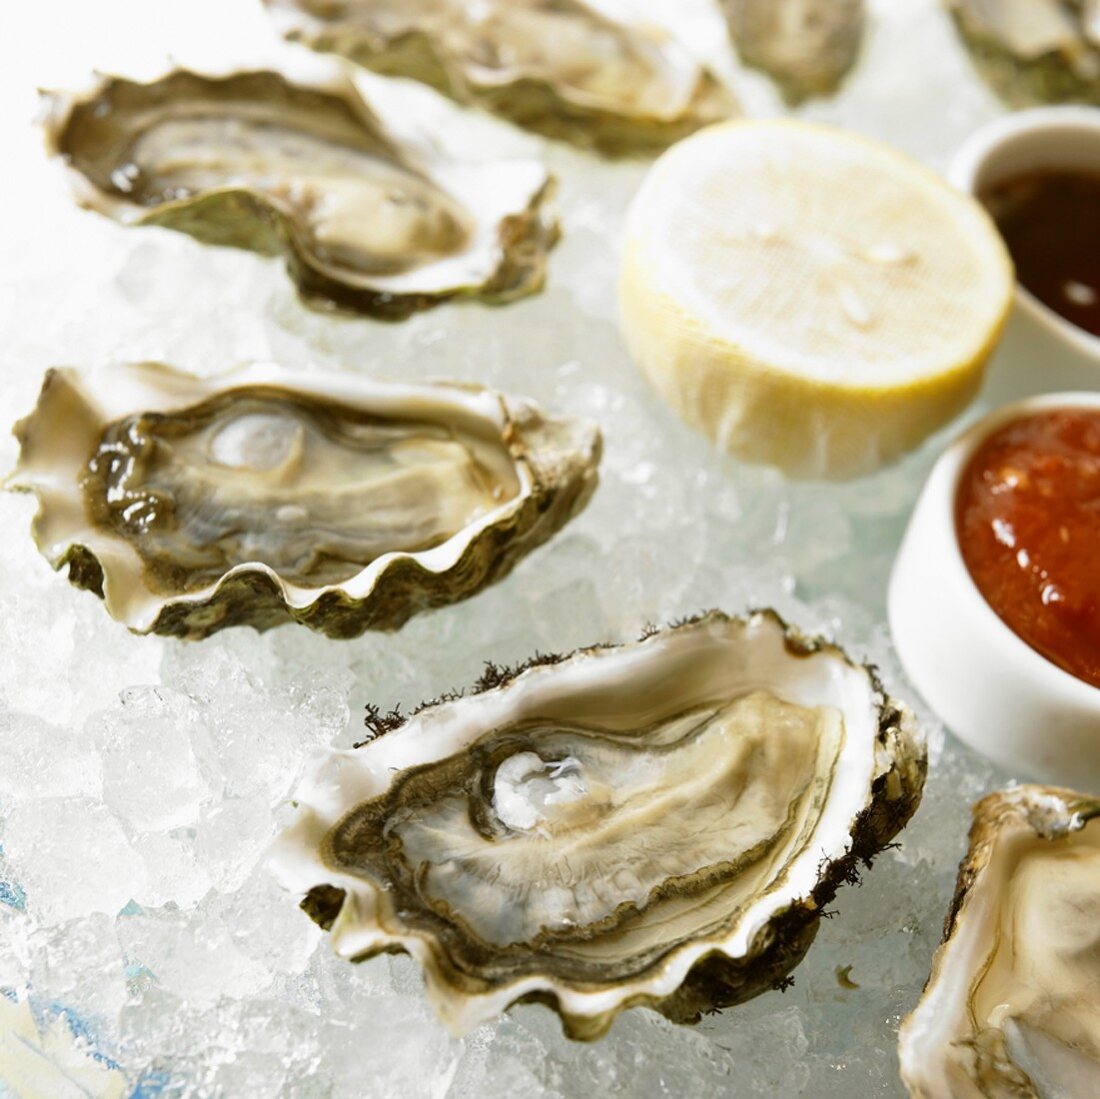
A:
(1027, 517)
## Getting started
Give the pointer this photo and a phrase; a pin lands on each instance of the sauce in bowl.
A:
(1050, 221)
(1027, 518)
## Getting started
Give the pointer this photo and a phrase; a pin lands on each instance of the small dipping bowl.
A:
(1041, 351)
(992, 689)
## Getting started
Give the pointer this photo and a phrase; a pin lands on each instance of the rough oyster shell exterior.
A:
(491, 217)
(873, 790)
(507, 56)
(1033, 51)
(806, 46)
(555, 463)
(947, 1047)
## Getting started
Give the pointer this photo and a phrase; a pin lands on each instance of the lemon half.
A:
(809, 298)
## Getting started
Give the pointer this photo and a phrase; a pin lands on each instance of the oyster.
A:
(1034, 51)
(1011, 1007)
(264, 495)
(806, 46)
(561, 67)
(258, 161)
(657, 824)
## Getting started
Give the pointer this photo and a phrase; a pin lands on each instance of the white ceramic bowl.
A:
(991, 688)
(1041, 351)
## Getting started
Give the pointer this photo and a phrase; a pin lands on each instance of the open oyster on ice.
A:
(805, 46)
(264, 495)
(1012, 1009)
(1034, 51)
(304, 168)
(567, 68)
(659, 824)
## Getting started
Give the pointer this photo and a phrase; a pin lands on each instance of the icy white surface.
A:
(141, 779)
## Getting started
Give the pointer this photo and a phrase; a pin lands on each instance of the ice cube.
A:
(72, 858)
(151, 776)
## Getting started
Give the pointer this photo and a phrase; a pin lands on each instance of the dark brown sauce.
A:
(1050, 221)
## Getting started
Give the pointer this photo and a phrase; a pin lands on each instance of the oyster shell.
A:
(564, 68)
(805, 46)
(1011, 1007)
(1034, 51)
(657, 824)
(260, 161)
(265, 495)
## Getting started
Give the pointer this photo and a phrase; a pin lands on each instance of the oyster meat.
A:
(565, 68)
(805, 46)
(264, 495)
(1034, 51)
(658, 824)
(1011, 1010)
(260, 161)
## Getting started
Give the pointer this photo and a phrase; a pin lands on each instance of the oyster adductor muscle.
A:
(564, 68)
(1011, 1009)
(306, 169)
(263, 495)
(659, 823)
